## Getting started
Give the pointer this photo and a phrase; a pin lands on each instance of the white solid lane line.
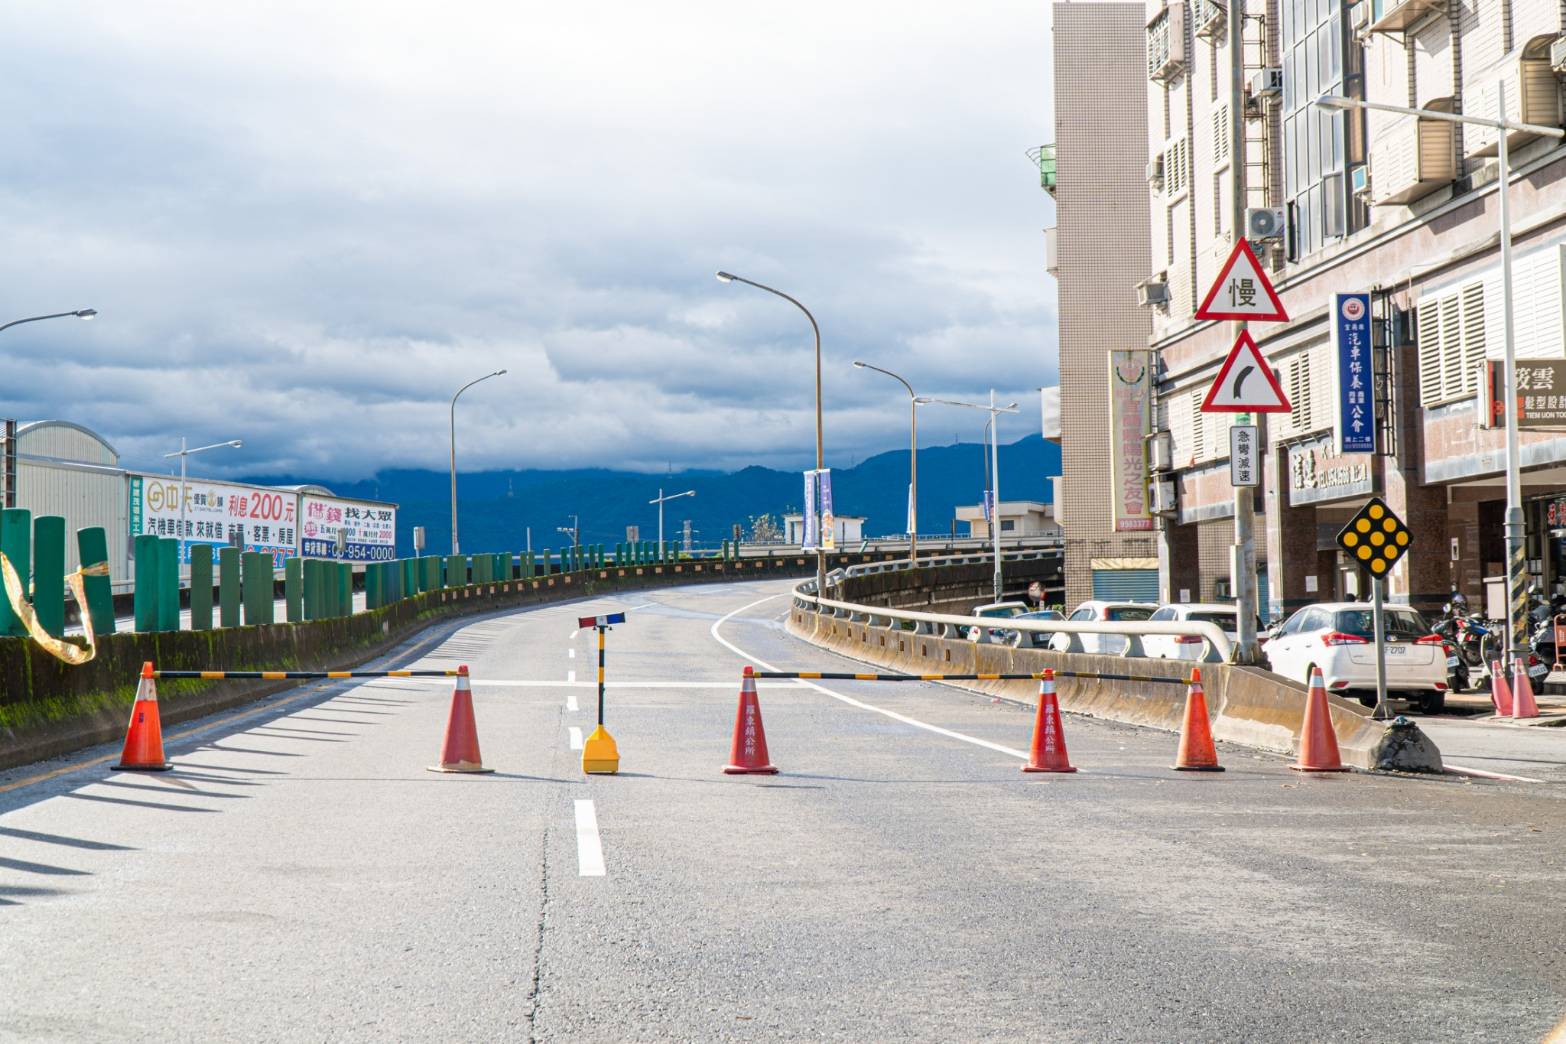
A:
(589, 852)
(915, 722)
(576, 738)
(571, 653)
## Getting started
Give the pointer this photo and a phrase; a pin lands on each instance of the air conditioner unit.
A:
(1359, 180)
(1161, 497)
(1360, 15)
(1264, 224)
(1160, 455)
(1558, 54)
(1155, 172)
(1208, 16)
(1153, 291)
(1267, 83)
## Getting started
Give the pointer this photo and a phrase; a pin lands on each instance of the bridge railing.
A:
(1216, 649)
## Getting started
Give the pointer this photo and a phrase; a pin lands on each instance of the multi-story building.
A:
(1096, 251)
(1401, 207)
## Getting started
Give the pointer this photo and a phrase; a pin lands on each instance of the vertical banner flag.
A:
(989, 506)
(807, 538)
(828, 525)
(1355, 420)
(1130, 403)
(913, 514)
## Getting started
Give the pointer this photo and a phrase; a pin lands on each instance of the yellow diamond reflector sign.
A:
(1375, 537)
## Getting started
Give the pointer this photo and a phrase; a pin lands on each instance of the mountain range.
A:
(498, 507)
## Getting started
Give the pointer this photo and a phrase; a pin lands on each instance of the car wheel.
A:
(1367, 699)
(1432, 702)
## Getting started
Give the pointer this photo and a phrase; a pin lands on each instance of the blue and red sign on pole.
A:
(1354, 370)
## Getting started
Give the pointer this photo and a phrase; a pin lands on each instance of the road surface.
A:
(301, 876)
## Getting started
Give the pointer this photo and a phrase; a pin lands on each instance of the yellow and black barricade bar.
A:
(1038, 676)
(302, 675)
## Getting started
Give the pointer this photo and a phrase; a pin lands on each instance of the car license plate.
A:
(1451, 663)
(1396, 650)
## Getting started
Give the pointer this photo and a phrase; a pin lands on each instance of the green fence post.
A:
(228, 586)
(201, 587)
(168, 583)
(16, 543)
(344, 575)
(145, 577)
(483, 569)
(257, 587)
(529, 565)
(49, 573)
(430, 578)
(293, 588)
(374, 586)
(410, 578)
(310, 577)
(92, 547)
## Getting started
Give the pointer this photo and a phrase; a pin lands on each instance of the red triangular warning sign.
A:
(1242, 290)
(1245, 383)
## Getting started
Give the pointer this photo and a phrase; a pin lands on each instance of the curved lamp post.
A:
(913, 461)
(994, 412)
(184, 494)
(661, 500)
(728, 277)
(454, 398)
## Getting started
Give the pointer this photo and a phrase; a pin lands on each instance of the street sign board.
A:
(1245, 383)
(809, 539)
(1375, 537)
(1355, 421)
(1242, 290)
(1243, 470)
(1541, 393)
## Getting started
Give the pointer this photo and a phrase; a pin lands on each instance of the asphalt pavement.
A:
(300, 876)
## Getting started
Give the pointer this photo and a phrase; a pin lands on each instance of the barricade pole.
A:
(220, 675)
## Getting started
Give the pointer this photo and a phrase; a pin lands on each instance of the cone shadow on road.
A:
(60, 839)
(138, 804)
(26, 867)
(25, 893)
(251, 750)
(232, 768)
(335, 721)
(269, 732)
(170, 791)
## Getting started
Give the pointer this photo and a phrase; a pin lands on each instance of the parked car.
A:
(998, 610)
(1107, 611)
(1339, 638)
(1189, 647)
(1033, 639)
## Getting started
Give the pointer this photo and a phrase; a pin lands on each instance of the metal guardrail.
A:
(1216, 650)
(836, 576)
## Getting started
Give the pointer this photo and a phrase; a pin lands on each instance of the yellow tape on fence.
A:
(69, 652)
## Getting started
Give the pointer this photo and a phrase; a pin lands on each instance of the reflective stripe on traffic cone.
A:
(143, 750)
(459, 752)
(748, 754)
(1197, 752)
(1523, 703)
(1500, 692)
(1048, 750)
(1318, 740)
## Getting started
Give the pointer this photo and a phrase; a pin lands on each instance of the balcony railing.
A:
(1043, 156)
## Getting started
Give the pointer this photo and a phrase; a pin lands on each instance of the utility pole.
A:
(1242, 559)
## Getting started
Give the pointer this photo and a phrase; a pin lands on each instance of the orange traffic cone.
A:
(460, 750)
(1523, 703)
(1048, 751)
(1318, 741)
(1500, 692)
(748, 755)
(1197, 753)
(144, 739)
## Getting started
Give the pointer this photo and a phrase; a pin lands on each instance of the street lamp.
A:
(182, 453)
(1515, 537)
(994, 412)
(80, 313)
(727, 277)
(574, 531)
(661, 501)
(454, 398)
(913, 462)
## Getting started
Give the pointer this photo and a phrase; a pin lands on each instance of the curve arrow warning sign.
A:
(1245, 383)
(1242, 290)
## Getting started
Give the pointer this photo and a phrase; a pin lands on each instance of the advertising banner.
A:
(1130, 403)
(369, 530)
(1355, 417)
(216, 513)
(1541, 393)
(828, 523)
(807, 540)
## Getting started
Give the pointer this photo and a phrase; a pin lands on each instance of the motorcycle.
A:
(1466, 638)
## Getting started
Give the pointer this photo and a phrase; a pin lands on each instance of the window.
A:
(1404, 624)
(1450, 334)
(1082, 614)
(1300, 405)
(1008, 524)
(1165, 613)
(1220, 135)
(1177, 169)
(1127, 612)
(1319, 53)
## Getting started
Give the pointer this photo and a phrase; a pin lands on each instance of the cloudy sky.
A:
(306, 224)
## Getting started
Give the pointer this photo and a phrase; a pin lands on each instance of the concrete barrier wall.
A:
(49, 708)
(1248, 705)
(950, 589)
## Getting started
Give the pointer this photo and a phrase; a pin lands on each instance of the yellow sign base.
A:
(599, 754)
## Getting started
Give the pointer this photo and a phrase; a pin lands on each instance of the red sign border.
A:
(1243, 343)
(1243, 245)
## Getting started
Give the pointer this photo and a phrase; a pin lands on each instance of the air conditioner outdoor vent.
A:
(1153, 291)
(1155, 171)
(1267, 83)
(1162, 497)
(1160, 456)
(1264, 224)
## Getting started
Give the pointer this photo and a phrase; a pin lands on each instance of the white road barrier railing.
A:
(948, 625)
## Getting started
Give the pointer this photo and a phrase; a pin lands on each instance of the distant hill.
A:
(497, 507)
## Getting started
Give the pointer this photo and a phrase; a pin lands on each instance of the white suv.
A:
(1111, 644)
(1190, 647)
(1338, 637)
